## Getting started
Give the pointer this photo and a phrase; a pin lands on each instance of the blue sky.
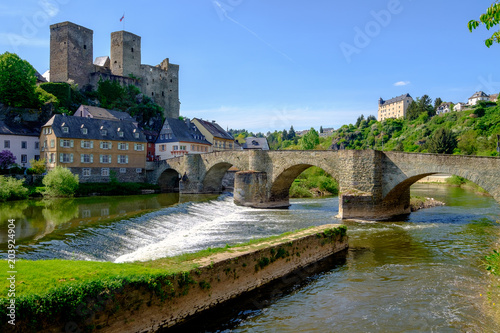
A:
(267, 65)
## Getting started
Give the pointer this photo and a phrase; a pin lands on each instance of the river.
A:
(423, 274)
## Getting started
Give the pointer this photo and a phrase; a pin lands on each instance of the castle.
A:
(71, 59)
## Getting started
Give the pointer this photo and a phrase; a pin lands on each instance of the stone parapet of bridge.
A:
(373, 184)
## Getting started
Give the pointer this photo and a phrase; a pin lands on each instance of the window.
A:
(230, 146)
(122, 146)
(24, 145)
(104, 132)
(86, 212)
(105, 145)
(104, 171)
(170, 135)
(52, 158)
(6, 144)
(37, 157)
(139, 146)
(37, 145)
(65, 129)
(192, 147)
(183, 148)
(138, 170)
(162, 147)
(163, 136)
(105, 159)
(136, 135)
(24, 158)
(122, 159)
(87, 144)
(87, 158)
(47, 130)
(120, 134)
(52, 143)
(123, 170)
(85, 131)
(65, 158)
(176, 148)
(86, 172)
(65, 143)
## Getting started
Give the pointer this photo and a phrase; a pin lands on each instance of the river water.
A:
(423, 274)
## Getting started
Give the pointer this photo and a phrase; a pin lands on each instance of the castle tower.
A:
(125, 54)
(71, 53)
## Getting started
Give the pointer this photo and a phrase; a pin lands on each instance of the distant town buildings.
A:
(254, 143)
(215, 134)
(443, 108)
(393, 108)
(478, 96)
(459, 107)
(21, 141)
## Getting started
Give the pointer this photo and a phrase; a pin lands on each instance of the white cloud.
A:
(401, 83)
(15, 40)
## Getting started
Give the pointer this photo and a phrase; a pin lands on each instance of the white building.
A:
(459, 107)
(478, 96)
(443, 108)
(24, 143)
(178, 138)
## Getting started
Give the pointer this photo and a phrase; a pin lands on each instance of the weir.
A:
(373, 184)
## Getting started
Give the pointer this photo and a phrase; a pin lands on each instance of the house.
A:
(255, 143)
(459, 107)
(478, 96)
(180, 137)
(216, 135)
(326, 132)
(443, 108)
(95, 112)
(151, 136)
(95, 149)
(22, 141)
(494, 98)
(301, 133)
(394, 108)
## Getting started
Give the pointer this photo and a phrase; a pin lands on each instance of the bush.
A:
(45, 97)
(6, 159)
(61, 90)
(37, 167)
(12, 189)
(60, 182)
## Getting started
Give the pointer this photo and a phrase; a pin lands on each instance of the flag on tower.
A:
(121, 19)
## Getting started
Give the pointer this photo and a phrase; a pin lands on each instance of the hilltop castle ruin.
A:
(71, 59)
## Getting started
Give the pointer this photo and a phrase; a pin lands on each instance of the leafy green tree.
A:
(284, 135)
(437, 103)
(358, 121)
(442, 142)
(490, 19)
(321, 129)
(37, 167)
(309, 140)
(12, 189)
(17, 81)
(109, 93)
(412, 112)
(60, 182)
(371, 118)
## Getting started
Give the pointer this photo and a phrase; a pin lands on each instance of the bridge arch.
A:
(169, 180)
(212, 182)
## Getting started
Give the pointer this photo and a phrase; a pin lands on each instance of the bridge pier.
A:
(366, 207)
(250, 190)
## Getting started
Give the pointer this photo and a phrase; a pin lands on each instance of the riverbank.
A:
(417, 203)
(149, 295)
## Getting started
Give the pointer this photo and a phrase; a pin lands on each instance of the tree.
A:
(321, 129)
(6, 159)
(291, 133)
(437, 103)
(442, 142)
(60, 182)
(37, 167)
(358, 121)
(490, 19)
(284, 135)
(17, 81)
(412, 111)
(309, 140)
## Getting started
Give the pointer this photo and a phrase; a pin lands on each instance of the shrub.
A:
(45, 97)
(61, 90)
(60, 182)
(12, 189)
(37, 167)
(6, 159)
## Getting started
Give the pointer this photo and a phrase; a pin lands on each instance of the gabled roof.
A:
(479, 94)
(215, 129)
(102, 113)
(94, 127)
(21, 129)
(102, 61)
(256, 143)
(394, 100)
(181, 132)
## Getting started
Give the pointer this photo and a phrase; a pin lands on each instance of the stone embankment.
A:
(217, 278)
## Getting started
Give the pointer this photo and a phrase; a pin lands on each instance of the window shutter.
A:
(61, 143)
(100, 144)
(126, 146)
(81, 144)
(91, 158)
(71, 157)
(109, 158)
(60, 157)
(110, 145)
(92, 144)
(126, 159)
(71, 143)
(100, 157)
(81, 158)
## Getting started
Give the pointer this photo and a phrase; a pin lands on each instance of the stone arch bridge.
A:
(373, 184)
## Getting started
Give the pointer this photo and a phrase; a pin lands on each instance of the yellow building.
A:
(394, 108)
(220, 139)
(95, 149)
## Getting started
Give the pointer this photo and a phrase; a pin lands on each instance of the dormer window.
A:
(84, 131)
(104, 132)
(120, 134)
(136, 135)
(65, 129)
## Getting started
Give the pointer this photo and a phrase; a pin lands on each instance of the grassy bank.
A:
(464, 183)
(313, 182)
(50, 287)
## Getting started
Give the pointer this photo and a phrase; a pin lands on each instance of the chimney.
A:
(188, 122)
